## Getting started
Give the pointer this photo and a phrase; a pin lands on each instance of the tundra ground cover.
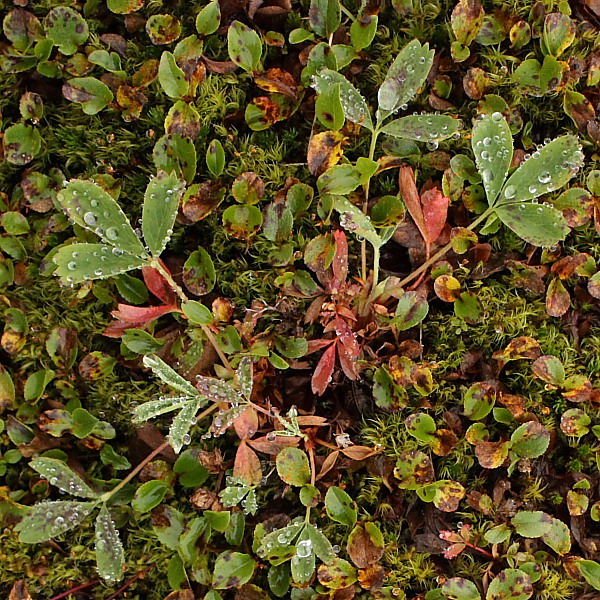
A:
(300, 300)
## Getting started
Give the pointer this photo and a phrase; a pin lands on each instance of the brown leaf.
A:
(277, 80)
(363, 547)
(491, 455)
(519, 348)
(558, 299)
(447, 288)
(246, 423)
(19, 591)
(371, 578)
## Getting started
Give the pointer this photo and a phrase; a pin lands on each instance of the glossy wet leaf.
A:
(161, 201)
(60, 475)
(232, 569)
(537, 224)
(169, 375)
(547, 170)
(352, 218)
(493, 149)
(422, 128)
(22, 143)
(355, 106)
(110, 556)
(405, 76)
(46, 520)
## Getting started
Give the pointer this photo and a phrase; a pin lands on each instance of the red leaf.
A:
(141, 314)
(314, 345)
(158, 285)
(340, 261)
(348, 348)
(247, 464)
(435, 212)
(116, 329)
(324, 371)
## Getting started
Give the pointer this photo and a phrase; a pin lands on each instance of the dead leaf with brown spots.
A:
(523, 347)
(277, 80)
(447, 288)
(491, 455)
(19, 591)
(201, 199)
(371, 578)
(324, 151)
(365, 545)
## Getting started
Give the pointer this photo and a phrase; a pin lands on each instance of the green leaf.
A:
(329, 109)
(321, 546)
(293, 467)
(36, 384)
(302, 563)
(66, 28)
(110, 61)
(110, 557)
(175, 153)
(324, 16)
(510, 583)
(559, 33)
(94, 209)
(537, 224)
(197, 313)
(530, 440)
(169, 526)
(218, 520)
(141, 342)
(161, 202)
(169, 376)
(493, 149)
(171, 77)
(92, 94)
(199, 274)
(215, 155)
(209, 18)
(479, 400)
(150, 495)
(22, 143)
(421, 426)
(590, 570)
(412, 308)
(244, 46)
(362, 31)
(405, 76)
(124, 7)
(458, 588)
(47, 520)
(61, 476)
(532, 523)
(191, 472)
(232, 569)
(352, 218)
(422, 128)
(242, 221)
(340, 506)
(355, 106)
(155, 408)
(547, 170)
(558, 537)
(182, 423)
(337, 574)
(339, 179)
(108, 456)
(132, 289)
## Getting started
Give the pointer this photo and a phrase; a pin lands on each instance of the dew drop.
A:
(112, 233)
(496, 116)
(510, 192)
(90, 218)
(72, 266)
(544, 177)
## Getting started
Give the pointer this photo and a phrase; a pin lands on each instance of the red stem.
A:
(139, 575)
(76, 589)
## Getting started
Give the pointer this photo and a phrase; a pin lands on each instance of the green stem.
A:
(347, 13)
(155, 264)
(363, 245)
(443, 250)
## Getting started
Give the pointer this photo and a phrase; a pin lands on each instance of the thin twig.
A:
(83, 586)
(139, 575)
